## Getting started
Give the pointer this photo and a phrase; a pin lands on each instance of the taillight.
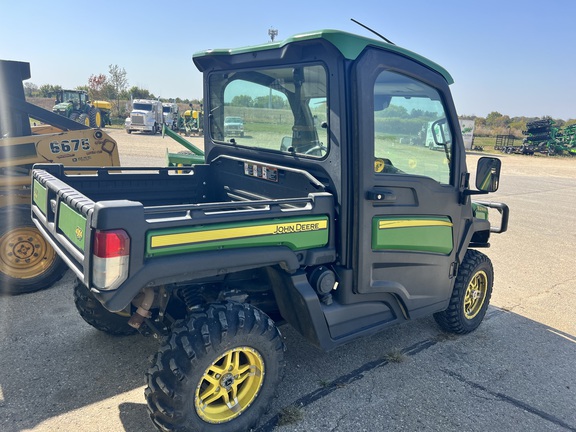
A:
(111, 254)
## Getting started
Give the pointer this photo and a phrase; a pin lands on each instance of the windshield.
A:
(68, 96)
(282, 109)
(142, 106)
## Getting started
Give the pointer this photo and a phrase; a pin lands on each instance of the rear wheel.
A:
(27, 261)
(92, 311)
(96, 118)
(470, 296)
(217, 372)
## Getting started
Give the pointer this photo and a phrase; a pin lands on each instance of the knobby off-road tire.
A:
(470, 296)
(92, 311)
(27, 261)
(96, 118)
(218, 371)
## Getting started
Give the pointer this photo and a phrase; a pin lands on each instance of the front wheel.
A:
(217, 372)
(84, 119)
(470, 296)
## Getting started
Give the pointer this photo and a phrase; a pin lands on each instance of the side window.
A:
(411, 132)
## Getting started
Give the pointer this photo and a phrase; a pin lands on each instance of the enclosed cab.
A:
(146, 116)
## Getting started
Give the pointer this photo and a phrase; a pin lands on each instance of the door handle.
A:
(381, 196)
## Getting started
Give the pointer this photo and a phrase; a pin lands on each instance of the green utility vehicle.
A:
(325, 215)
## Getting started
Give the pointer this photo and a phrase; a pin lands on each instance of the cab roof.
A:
(349, 45)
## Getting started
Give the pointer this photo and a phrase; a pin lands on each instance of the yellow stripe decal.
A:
(389, 224)
(236, 233)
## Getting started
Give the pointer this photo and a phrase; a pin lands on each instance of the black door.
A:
(407, 210)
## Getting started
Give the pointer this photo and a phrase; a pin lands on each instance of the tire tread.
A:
(191, 345)
(451, 319)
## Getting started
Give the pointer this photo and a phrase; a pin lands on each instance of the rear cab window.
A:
(277, 109)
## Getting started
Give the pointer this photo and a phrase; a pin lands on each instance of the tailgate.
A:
(61, 214)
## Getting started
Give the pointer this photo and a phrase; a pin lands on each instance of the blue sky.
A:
(514, 57)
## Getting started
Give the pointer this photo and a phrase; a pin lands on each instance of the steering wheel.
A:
(316, 148)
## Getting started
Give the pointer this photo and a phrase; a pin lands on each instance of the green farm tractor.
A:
(75, 105)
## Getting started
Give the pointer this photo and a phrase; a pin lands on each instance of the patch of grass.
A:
(396, 356)
(290, 415)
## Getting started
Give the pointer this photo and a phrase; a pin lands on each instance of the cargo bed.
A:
(183, 227)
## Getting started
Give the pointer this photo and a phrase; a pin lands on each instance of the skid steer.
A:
(27, 261)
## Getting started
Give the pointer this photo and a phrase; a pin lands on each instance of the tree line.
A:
(496, 123)
(112, 87)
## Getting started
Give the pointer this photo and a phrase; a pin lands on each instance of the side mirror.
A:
(488, 174)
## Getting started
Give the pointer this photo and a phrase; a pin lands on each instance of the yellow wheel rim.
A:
(98, 119)
(475, 294)
(87, 121)
(229, 385)
(25, 254)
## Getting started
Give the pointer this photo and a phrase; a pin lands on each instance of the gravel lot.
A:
(515, 373)
(140, 149)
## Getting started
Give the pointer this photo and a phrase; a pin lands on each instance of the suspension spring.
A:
(192, 297)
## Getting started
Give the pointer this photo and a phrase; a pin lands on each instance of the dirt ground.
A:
(140, 149)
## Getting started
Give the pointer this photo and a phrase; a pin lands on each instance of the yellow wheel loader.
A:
(27, 261)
